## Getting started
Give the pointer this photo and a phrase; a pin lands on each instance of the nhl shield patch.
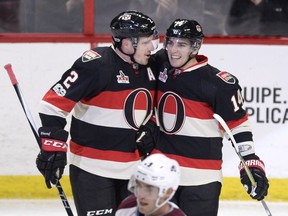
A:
(227, 77)
(90, 55)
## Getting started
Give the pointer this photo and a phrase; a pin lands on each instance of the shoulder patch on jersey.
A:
(90, 55)
(226, 77)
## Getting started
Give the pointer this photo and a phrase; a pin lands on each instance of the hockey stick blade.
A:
(29, 117)
(247, 170)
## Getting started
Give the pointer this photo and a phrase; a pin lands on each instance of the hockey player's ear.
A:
(126, 46)
(169, 192)
(167, 195)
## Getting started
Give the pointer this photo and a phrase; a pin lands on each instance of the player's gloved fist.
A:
(257, 169)
(146, 138)
(52, 158)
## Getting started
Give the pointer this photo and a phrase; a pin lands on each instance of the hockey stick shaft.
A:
(144, 123)
(156, 116)
(247, 170)
(32, 124)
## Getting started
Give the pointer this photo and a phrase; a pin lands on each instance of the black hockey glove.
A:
(52, 158)
(257, 169)
(146, 138)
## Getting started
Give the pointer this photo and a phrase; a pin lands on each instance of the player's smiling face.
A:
(178, 51)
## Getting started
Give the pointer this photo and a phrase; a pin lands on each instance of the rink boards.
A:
(33, 187)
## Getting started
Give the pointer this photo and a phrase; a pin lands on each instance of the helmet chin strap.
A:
(157, 206)
(189, 58)
(134, 44)
(130, 55)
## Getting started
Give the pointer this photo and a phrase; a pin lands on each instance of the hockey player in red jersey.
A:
(111, 91)
(153, 184)
(189, 92)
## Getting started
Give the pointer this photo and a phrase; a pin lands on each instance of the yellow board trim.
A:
(33, 187)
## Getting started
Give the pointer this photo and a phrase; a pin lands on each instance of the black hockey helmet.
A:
(132, 24)
(184, 28)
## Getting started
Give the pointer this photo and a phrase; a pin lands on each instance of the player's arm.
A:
(243, 137)
(229, 103)
(55, 106)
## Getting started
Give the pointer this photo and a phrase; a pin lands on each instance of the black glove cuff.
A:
(250, 157)
(53, 133)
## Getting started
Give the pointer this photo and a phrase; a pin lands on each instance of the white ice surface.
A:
(56, 208)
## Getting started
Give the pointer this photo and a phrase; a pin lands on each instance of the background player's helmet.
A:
(187, 29)
(132, 24)
(159, 171)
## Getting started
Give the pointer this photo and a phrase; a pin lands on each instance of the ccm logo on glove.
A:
(54, 145)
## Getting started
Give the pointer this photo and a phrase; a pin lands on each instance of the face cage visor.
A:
(195, 43)
(148, 191)
(155, 40)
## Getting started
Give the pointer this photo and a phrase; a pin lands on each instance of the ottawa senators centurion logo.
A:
(227, 77)
(90, 55)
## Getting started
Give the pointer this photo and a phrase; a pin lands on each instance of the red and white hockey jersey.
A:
(186, 102)
(109, 99)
